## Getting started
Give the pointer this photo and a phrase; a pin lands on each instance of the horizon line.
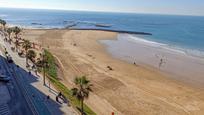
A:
(57, 9)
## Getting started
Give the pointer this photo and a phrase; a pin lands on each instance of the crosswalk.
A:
(4, 109)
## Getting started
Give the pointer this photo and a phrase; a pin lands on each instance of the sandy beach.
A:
(176, 64)
(128, 89)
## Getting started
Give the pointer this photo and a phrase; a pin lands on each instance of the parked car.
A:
(4, 78)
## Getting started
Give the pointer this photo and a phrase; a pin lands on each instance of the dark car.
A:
(4, 78)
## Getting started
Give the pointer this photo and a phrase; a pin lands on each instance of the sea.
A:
(181, 33)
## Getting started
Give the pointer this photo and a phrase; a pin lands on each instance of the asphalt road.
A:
(26, 92)
(17, 105)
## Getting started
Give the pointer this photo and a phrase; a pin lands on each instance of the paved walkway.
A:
(4, 109)
(39, 91)
(12, 100)
(5, 97)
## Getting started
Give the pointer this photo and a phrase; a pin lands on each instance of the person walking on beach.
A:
(161, 62)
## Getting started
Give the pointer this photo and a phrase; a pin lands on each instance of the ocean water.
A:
(185, 33)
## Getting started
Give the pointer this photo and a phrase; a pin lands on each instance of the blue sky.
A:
(184, 7)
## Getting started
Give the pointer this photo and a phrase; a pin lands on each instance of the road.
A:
(15, 104)
(28, 90)
(23, 100)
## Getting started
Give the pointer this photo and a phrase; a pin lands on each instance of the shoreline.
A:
(187, 51)
(149, 56)
(141, 88)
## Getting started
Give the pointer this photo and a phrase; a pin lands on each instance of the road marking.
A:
(4, 109)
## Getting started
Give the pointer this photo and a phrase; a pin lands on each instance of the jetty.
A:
(111, 30)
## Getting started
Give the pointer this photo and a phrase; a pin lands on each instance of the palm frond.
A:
(74, 91)
(77, 81)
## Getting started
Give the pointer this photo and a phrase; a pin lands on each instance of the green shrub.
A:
(52, 73)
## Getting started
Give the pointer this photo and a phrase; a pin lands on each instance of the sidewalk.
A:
(52, 92)
(54, 107)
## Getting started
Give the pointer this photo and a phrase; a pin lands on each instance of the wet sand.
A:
(128, 89)
(174, 63)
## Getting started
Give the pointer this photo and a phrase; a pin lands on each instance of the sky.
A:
(181, 7)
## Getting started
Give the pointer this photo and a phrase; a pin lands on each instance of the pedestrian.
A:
(57, 99)
(33, 67)
(29, 72)
(47, 98)
(60, 94)
(36, 72)
(162, 61)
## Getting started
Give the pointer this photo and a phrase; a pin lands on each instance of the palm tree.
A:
(9, 31)
(26, 46)
(81, 92)
(42, 62)
(45, 65)
(3, 22)
(17, 44)
(31, 55)
(16, 30)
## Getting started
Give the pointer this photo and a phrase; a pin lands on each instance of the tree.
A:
(3, 22)
(45, 65)
(26, 46)
(81, 92)
(9, 31)
(31, 55)
(17, 44)
(42, 62)
(16, 30)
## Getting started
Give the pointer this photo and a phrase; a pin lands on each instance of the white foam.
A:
(86, 22)
(174, 49)
(3, 15)
(25, 27)
(143, 41)
(196, 53)
(31, 27)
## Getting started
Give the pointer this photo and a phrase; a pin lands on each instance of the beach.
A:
(127, 88)
(176, 64)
